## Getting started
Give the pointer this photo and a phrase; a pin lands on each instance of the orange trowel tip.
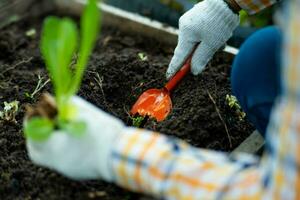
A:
(155, 103)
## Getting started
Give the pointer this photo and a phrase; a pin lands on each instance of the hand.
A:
(210, 22)
(82, 157)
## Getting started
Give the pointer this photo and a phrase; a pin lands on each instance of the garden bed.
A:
(115, 77)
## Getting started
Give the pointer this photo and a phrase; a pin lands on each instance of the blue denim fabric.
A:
(255, 77)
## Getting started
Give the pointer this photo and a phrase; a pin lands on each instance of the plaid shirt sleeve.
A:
(254, 6)
(169, 168)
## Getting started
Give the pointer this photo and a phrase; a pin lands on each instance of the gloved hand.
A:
(210, 22)
(82, 157)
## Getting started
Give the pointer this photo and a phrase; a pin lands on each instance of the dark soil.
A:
(123, 76)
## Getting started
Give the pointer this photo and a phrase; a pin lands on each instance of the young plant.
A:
(10, 111)
(142, 56)
(31, 33)
(234, 104)
(59, 42)
(137, 121)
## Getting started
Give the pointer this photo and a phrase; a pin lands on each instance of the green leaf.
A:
(58, 45)
(76, 128)
(90, 25)
(49, 49)
(66, 50)
(38, 129)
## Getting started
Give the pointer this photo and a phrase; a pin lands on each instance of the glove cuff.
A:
(233, 6)
(105, 156)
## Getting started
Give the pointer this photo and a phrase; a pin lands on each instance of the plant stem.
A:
(220, 116)
(39, 86)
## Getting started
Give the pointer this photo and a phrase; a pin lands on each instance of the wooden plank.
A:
(252, 145)
(15, 10)
(131, 23)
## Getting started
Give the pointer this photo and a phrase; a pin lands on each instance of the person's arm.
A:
(253, 6)
(210, 23)
(233, 5)
(168, 168)
(155, 164)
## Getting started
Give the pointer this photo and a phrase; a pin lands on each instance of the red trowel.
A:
(156, 103)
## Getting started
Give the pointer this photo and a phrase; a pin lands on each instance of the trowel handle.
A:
(172, 83)
(185, 69)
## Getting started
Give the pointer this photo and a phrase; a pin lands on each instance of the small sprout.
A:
(27, 95)
(232, 101)
(234, 104)
(241, 115)
(40, 85)
(10, 111)
(137, 121)
(5, 176)
(143, 57)
(31, 33)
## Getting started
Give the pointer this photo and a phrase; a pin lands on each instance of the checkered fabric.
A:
(254, 6)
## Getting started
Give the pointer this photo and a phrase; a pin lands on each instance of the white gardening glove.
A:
(210, 22)
(82, 157)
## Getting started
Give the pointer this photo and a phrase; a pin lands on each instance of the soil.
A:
(116, 76)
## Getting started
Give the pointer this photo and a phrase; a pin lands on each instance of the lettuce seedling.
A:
(59, 42)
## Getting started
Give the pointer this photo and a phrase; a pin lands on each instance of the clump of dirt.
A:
(115, 77)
